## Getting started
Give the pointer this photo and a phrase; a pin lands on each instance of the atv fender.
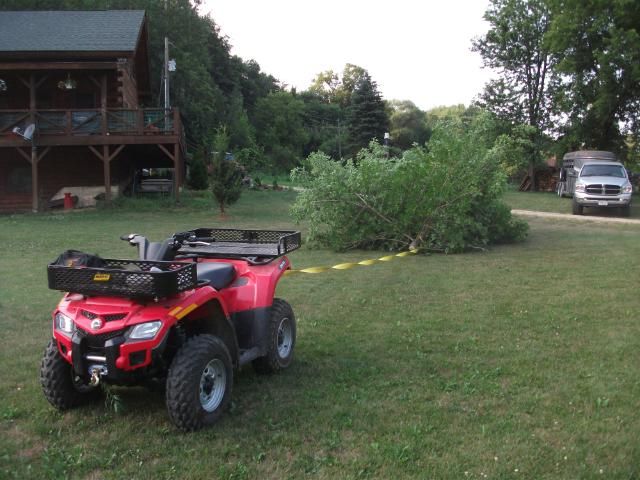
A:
(206, 314)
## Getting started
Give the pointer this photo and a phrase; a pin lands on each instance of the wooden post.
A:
(34, 178)
(176, 121)
(103, 103)
(32, 97)
(140, 120)
(34, 159)
(175, 158)
(34, 149)
(177, 171)
(106, 158)
(107, 174)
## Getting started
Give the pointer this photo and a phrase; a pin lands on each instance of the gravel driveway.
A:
(579, 218)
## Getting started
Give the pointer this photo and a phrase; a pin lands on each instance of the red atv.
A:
(185, 315)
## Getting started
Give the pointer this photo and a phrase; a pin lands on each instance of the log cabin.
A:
(75, 106)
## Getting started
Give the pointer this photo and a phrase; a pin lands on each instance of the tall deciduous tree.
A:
(325, 86)
(338, 89)
(408, 124)
(515, 47)
(280, 129)
(366, 116)
(598, 42)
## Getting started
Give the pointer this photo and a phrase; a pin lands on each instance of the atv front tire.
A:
(281, 339)
(60, 386)
(199, 383)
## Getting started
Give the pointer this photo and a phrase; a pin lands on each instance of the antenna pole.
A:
(167, 105)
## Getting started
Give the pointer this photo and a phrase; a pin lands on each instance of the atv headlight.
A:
(145, 331)
(64, 323)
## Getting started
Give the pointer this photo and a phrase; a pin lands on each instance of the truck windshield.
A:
(602, 171)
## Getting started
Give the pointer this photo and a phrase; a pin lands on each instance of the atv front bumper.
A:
(115, 358)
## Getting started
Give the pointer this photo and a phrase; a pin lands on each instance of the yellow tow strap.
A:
(346, 266)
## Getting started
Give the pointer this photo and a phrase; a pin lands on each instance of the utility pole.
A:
(167, 104)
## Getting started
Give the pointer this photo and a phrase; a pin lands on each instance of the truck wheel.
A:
(199, 383)
(625, 211)
(61, 387)
(281, 339)
(577, 208)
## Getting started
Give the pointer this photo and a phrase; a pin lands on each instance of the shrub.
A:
(444, 198)
(226, 174)
(198, 176)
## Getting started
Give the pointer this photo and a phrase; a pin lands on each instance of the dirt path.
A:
(579, 218)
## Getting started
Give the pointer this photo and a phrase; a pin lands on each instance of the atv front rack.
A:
(125, 278)
(235, 243)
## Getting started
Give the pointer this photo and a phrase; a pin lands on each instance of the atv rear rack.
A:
(235, 243)
(125, 278)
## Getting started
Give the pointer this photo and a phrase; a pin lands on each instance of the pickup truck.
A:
(595, 179)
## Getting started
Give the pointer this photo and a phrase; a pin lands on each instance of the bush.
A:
(226, 174)
(446, 198)
(198, 176)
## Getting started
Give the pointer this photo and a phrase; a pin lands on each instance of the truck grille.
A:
(596, 189)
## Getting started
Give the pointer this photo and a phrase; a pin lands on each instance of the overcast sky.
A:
(416, 50)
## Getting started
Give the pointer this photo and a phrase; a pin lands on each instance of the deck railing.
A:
(113, 121)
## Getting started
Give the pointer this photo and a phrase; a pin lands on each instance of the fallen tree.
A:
(445, 197)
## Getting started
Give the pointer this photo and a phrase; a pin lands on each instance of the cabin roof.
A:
(70, 31)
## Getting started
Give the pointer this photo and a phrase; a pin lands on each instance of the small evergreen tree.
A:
(366, 116)
(198, 178)
(226, 174)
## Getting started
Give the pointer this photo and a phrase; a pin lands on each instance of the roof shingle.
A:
(67, 31)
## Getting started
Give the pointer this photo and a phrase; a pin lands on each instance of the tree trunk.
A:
(532, 176)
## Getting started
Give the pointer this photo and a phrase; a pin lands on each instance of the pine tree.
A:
(366, 116)
(226, 181)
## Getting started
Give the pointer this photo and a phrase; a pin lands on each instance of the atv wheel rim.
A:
(213, 384)
(285, 338)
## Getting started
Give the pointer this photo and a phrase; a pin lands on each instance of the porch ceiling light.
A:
(68, 84)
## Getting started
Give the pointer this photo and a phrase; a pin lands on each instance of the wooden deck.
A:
(92, 126)
(105, 132)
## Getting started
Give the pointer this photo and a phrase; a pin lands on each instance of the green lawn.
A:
(518, 362)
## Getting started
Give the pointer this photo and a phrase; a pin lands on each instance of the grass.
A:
(518, 362)
(550, 202)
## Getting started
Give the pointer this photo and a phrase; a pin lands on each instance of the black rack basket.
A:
(237, 243)
(125, 278)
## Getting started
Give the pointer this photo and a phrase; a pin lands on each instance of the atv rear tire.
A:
(199, 383)
(281, 339)
(61, 387)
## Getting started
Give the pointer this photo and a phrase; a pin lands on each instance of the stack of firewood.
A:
(547, 180)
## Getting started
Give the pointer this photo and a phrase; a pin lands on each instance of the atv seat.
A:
(219, 275)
